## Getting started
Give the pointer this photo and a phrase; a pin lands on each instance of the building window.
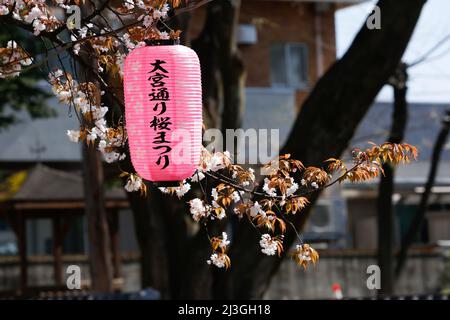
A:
(289, 65)
(320, 218)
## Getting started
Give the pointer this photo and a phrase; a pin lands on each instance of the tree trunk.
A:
(100, 257)
(386, 216)
(386, 233)
(325, 125)
(150, 232)
(231, 65)
(99, 242)
(207, 47)
(222, 68)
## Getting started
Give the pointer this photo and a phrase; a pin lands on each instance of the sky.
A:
(430, 80)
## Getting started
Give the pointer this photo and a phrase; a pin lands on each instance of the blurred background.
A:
(285, 47)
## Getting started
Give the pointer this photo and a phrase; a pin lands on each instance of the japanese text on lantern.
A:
(160, 124)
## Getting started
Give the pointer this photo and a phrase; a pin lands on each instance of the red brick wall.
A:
(280, 21)
(285, 22)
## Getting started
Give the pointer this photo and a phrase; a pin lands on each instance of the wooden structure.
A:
(56, 195)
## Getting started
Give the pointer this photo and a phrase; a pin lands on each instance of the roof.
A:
(43, 139)
(47, 184)
(424, 124)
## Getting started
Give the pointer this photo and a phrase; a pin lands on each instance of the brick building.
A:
(286, 45)
(294, 44)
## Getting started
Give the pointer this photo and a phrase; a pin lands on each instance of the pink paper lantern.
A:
(163, 111)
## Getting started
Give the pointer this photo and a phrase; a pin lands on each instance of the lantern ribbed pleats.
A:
(164, 146)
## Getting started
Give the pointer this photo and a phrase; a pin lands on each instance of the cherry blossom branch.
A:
(291, 224)
(232, 183)
(124, 27)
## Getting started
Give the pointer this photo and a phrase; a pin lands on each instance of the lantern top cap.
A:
(162, 42)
